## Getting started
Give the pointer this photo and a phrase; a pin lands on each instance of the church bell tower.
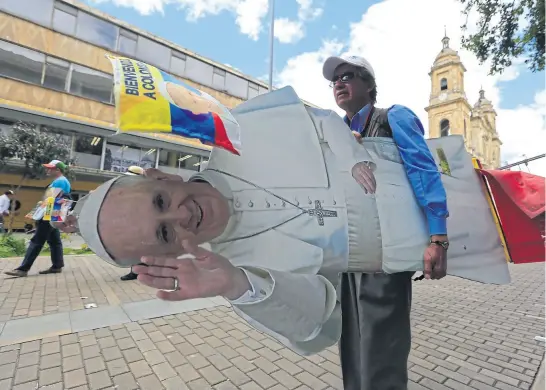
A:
(448, 110)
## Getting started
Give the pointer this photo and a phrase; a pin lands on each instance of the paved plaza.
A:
(465, 336)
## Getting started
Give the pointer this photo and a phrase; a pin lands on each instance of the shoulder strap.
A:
(368, 121)
(378, 123)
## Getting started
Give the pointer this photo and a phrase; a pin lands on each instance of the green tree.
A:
(27, 147)
(506, 30)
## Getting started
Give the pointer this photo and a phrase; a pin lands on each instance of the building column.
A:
(72, 146)
(103, 154)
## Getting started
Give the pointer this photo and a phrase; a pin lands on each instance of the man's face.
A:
(50, 171)
(350, 90)
(153, 217)
(10, 196)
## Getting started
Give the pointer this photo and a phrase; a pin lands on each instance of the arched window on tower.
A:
(443, 84)
(444, 128)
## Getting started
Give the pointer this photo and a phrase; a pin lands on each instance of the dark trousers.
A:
(44, 233)
(376, 331)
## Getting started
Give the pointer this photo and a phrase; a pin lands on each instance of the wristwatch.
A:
(443, 244)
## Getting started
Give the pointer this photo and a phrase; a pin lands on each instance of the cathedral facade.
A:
(449, 111)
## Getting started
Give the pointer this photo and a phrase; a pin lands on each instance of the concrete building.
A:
(449, 111)
(54, 73)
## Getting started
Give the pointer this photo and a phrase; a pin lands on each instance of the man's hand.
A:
(364, 176)
(435, 260)
(207, 275)
(358, 136)
(70, 225)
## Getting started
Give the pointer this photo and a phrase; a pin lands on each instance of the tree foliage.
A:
(33, 146)
(506, 30)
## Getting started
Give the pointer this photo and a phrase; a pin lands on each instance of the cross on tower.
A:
(320, 213)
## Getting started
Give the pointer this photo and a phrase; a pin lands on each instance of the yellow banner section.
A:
(493, 209)
(140, 103)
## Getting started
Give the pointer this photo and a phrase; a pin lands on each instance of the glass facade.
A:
(90, 151)
(176, 162)
(20, 63)
(72, 21)
(91, 84)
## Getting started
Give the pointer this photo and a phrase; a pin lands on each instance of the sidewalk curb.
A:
(540, 380)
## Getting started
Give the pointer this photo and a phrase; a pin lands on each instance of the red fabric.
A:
(221, 138)
(519, 200)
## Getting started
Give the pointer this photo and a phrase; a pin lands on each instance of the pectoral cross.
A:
(320, 213)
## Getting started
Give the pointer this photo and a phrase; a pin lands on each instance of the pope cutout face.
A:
(188, 100)
(151, 216)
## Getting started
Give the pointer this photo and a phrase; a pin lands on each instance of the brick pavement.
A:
(85, 280)
(465, 336)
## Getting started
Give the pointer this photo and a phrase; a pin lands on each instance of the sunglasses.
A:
(344, 78)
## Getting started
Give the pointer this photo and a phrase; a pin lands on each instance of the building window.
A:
(64, 18)
(153, 53)
(178, 63)
(148, 157)
(236, 86)
(119, 158)
(199, 71)
(88, 144)
(20, 63)
(443, 84)
(219, 79)
(444, 128)
(91, 84)
(38, 11)
(6, 127)
(97, 31)
(127, 43)
(253, 90)
(55, 74)
(173, 162)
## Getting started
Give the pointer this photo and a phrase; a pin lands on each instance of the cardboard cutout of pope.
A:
(285, 218)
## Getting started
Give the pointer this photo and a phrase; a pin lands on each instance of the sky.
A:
(400, 38)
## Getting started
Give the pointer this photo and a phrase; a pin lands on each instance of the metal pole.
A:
(527, 160)
(271, 42)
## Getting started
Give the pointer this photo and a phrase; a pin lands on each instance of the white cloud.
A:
(288, 31)
(307, 11)
(402, 58)
(248, 13)
(523, 133)
(145, 7)
(291, 31)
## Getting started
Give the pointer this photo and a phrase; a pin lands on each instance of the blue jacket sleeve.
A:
(423, 174)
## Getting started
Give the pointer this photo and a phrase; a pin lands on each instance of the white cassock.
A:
(299, 218)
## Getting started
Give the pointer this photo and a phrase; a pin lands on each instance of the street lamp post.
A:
(271, 41)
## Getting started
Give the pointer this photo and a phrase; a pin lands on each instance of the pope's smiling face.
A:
(151, 216)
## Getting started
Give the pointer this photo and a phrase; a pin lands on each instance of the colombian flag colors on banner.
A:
(149, 100)
(520, 205)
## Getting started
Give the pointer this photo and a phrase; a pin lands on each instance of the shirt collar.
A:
(359, 120)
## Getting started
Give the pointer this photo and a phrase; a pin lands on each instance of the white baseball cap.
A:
(330, 65)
